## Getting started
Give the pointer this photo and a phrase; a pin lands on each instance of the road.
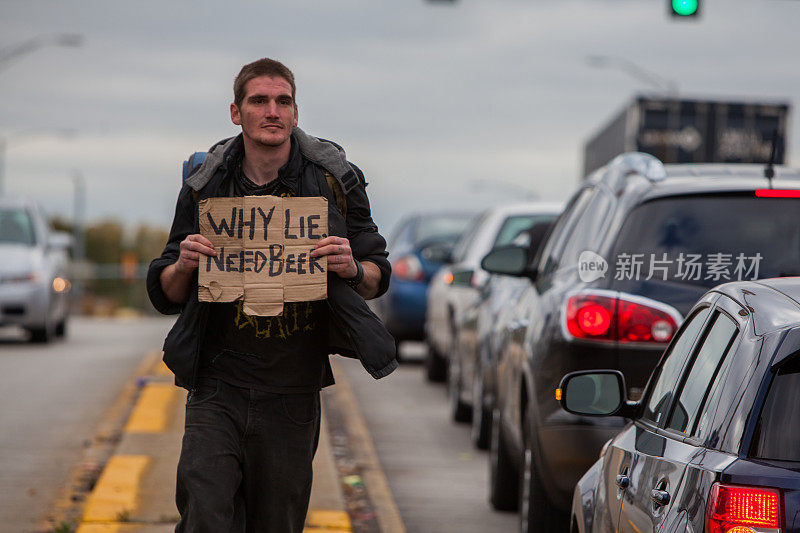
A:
(53, 397)
(438, 479)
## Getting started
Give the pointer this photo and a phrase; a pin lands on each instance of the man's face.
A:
(268, 112)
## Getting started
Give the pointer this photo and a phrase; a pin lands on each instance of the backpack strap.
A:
(338, 193)
(192, 163)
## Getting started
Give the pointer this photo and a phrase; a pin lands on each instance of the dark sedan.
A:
(634, 250)
(714, 443)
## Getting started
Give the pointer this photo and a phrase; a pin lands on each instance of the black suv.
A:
(712, 446)
(636, 247)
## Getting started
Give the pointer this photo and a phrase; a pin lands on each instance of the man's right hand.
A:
(176, 278)
(191, 248)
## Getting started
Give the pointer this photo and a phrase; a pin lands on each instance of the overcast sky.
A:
(430, 100)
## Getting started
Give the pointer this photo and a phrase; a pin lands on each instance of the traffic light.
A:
(684, 8)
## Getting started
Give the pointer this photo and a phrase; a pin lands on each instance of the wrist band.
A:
(358, 278)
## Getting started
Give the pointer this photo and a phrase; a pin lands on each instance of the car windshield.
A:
(444, 228)
(774, 438)
(708, 240)
(16, 227)
(514, 228)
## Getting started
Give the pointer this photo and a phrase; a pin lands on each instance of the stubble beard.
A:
(270, 141)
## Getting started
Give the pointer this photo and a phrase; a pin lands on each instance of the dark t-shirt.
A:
(283, 354)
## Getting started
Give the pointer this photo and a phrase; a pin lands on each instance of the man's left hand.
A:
(340, 256)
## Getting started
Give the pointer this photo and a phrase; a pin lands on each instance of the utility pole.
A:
(79, 233)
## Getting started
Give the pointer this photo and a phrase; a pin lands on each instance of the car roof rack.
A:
(615, 173)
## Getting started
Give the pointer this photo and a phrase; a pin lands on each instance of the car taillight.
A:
(777, 193)
(734, 509)
(409, 268)
(609, 316)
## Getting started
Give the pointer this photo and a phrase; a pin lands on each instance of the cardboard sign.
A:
(263, 245)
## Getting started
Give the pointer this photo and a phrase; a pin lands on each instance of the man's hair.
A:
(261, 67)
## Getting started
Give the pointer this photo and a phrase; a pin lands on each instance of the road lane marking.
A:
(328, 520)
(114, 497)
(98, 528)
(153, 409)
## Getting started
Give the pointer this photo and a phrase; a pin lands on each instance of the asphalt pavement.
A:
(419, 469)
(53, 397)
(438, 479)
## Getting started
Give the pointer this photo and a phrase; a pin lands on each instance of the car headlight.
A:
(61, 285)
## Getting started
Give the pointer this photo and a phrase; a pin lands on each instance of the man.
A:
(252, 413)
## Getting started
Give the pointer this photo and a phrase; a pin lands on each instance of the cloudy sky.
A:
(442, 105)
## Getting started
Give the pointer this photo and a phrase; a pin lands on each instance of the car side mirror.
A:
(595, 393)
(507, 260)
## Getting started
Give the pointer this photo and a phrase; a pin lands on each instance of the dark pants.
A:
(245, 464)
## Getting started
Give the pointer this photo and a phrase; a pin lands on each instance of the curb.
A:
(388, 515)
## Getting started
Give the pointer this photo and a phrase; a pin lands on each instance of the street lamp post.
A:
(670, 87)
(9, 54)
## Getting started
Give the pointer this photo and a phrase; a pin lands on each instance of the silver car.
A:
(34, 271)
(456, 286)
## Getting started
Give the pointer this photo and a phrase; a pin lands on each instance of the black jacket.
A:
(354, 330)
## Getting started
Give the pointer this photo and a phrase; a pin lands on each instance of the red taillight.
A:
(590, 316)
(604, 317)
(777, 193)
(642, 323)
(409, 268)
(594, 319)
(739, 509)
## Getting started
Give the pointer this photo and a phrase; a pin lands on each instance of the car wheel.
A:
(42, 335)
(503, 479)
(397, 349)
(61, 328)
(435, 366)
(459, 411)
(481, 416)
(536, 513)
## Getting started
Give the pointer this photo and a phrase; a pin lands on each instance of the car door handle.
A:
(659, 497)
(623, 481)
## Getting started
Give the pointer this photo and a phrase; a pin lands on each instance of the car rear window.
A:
(441, 228)
(16, 227)
(777, 437)
(707, 240)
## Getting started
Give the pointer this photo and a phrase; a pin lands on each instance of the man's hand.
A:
(191, 248)
(341, 261)
(340, 256)
(176, 278)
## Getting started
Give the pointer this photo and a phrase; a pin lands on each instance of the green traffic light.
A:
(685, 8)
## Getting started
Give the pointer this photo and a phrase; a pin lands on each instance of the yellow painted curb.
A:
(115, 494)
(153, 408)
(329, 520)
